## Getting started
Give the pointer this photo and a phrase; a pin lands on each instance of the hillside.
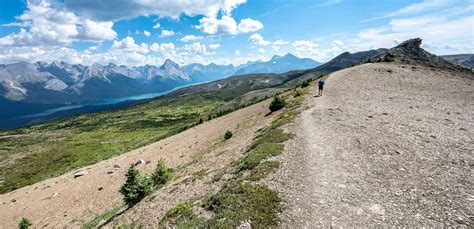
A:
(65, 201)
(83, 136)
(466, 60)
(410, 52)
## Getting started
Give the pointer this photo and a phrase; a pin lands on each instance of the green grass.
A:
(32, 154)
(235, 203)
(262, 170)
(240, 199)
(103, 217)
(182, 216)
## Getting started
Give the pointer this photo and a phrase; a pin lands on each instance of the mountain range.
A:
(64, 83)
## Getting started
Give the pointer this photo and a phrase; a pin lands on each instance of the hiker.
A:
(321, 86)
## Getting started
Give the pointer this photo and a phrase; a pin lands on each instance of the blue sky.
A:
(138, 32)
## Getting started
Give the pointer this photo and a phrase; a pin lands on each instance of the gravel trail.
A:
(386, 145)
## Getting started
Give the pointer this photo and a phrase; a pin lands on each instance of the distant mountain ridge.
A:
(277, 65)
(61, 82)
(466, 60)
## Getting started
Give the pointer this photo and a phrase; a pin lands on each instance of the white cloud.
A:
(196, 48)
(126, 9)
(338, 42)
(280, 42)
(237, 52)
(227, 25)
(166, 33)
(276, 48)
(212, 25)
(128, 44)
(166, 47)
(306, 48)
(50, 25)
(414, 8)
(96, 31)
(189, 38)
(249, 25)
(156, 26)
(214, 46)
(258, 39)
(261, 50)
(146, 33)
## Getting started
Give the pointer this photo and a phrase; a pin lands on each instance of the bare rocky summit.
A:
(410, 52)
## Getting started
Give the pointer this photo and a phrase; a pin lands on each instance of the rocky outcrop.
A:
(410, 52)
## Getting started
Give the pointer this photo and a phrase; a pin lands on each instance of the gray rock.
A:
(80, 173)
(141, 161)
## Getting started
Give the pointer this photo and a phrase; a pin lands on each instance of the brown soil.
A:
(386, 145)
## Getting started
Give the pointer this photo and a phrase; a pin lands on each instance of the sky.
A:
(139, 32)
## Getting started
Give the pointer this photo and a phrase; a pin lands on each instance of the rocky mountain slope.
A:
(60, 82)
(259, 81)
(278, 65)
(410, 52)
(466, 60)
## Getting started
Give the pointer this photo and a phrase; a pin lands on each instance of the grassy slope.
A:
(32, 154)
(242, 199)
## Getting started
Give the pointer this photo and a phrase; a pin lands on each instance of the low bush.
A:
(161, 175)
(136, 187)
(24, 223)
(277, 103)
(305, 84)
(228, 134)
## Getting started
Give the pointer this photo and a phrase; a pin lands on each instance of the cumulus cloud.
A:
(249, 25)
(214, 46)
(49, 24)
(212, 25)
(126, 9)
(227, 25)
(261, 50)
(258, 39)
(306, 48)
(146, 33)
(166, 33)
(189, 38)
(128, 43)
(166, 47)
(156, 26)
(196, 48)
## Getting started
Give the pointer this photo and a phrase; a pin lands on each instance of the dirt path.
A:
(68, 201)
(386, 145)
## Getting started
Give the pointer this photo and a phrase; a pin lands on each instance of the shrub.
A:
(135, 187)
(24, 223)
(298, 93)
(228, 134)
(161, 175)
(389, 57)
(277, 103)
(305, 84)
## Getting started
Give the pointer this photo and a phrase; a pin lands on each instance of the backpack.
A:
(321, 83)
